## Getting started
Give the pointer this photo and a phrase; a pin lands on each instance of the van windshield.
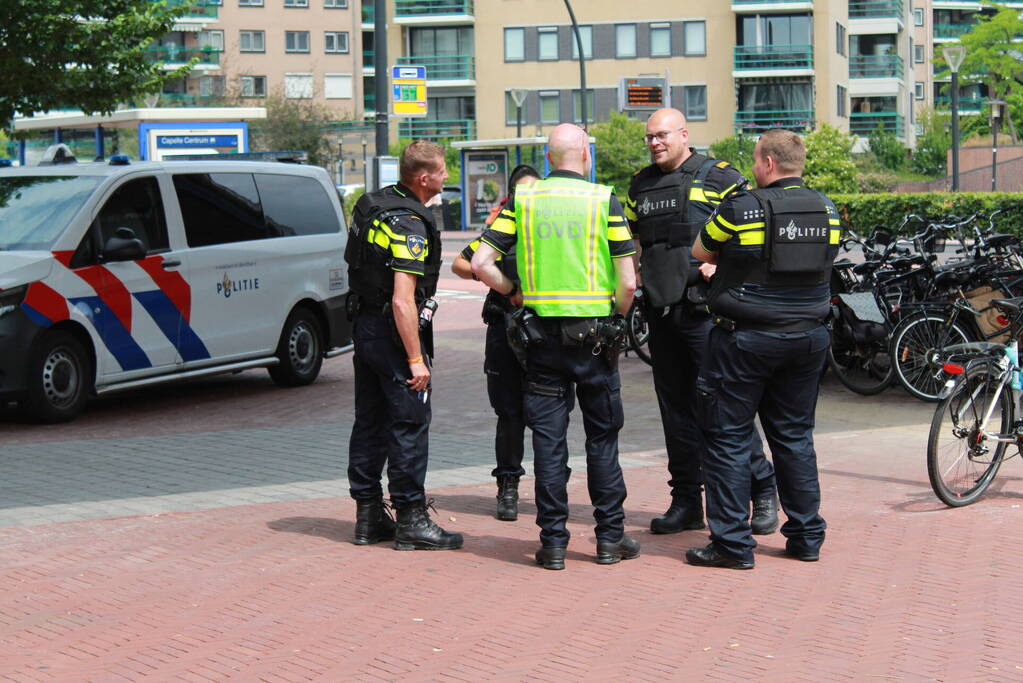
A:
(35, 210)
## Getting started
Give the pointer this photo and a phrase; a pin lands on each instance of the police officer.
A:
(504, 373)
(668, 203)
(774, 247)
(572, 248)
(393, 255)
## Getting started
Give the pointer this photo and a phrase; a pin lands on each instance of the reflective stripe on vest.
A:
(563, 257)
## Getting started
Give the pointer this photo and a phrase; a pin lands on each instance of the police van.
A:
(118, 275)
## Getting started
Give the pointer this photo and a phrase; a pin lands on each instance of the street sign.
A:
(642, 93)
(408, 90)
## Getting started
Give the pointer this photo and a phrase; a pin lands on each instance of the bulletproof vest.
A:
(796, 238)
(664, 229)
(369, 265)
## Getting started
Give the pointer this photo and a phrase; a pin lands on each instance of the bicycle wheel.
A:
(962, 460)
(916, 352)
(638, 332)
(863, 368)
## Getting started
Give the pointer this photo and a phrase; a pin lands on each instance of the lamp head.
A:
(954, 56)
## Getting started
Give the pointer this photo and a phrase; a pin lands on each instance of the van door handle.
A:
(171, 264)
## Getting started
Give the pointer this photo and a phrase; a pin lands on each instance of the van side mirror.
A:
(123, 246)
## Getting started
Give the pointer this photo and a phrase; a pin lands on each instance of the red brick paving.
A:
(905, 590)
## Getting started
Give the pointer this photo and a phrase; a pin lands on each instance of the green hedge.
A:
(862, 212)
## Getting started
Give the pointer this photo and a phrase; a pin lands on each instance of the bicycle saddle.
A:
(1011, 306)
(952, 278)
(1001, 240)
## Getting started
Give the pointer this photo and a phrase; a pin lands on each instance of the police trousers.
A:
(778, 375)
(552, 369)
(392, 422)
(504, 388)
(677, 342)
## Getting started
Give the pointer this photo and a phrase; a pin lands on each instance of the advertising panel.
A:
(484, 185)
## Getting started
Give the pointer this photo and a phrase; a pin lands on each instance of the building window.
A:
(547, 40)
(918, 16)
(695, 101)
(918, 54)
(840, 39)
(212, 40)
(296, 41)
(577, 107)
(510, 110)
(515, 45)
(918, 90)
(298, 86)
(210, 86)
(252, 41)
(840, 93)
(625, 41)
(335, 41)
(660, 40)
(335, 4)
(550, 106)
(695, 38)
(250, 3)
(337, 86)
(253, 86)
(586, 35)
(296, 3)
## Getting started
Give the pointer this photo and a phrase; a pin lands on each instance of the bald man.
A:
(573, 252)
(668, 203)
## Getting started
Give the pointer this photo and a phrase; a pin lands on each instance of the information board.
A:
(642, 93)
(484, 184)
(408, 90)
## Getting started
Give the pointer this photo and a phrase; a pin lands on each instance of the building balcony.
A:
(754, 122)
(951, 31)
(368, 60)
(771, 6)
(875, 9)
(177, 99)
(449, 70)
(974, 5)
(458, 129)
(175, 56)
(368, 13)
(767, 60)
(419, 12)
(197, 9)
(864, 124)
(876, 66)
(970, 104)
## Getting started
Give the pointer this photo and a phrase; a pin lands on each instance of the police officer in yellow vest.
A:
(393, 256)
(572, 251)
(774, 247)
(667, 205)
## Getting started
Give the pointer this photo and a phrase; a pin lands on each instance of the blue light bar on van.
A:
(6, 163)
(120, 160)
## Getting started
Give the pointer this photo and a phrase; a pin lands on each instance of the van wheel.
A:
(60, 377)
(300, 350)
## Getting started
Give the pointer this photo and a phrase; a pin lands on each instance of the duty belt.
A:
(735, 325)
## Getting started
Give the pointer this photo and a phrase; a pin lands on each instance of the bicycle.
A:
(637, 329)
(964, 450)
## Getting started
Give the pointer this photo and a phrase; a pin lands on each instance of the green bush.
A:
(829, 165)
(890, 153)
(861, 212)
(738, 151)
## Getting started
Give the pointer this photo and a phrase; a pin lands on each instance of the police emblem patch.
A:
(416, 245)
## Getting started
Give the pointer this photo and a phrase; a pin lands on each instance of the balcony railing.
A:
(176, 99)
(767, 2)
(436, 130)
(368, 12)
(197, 9)
(972, 103)
(875, 66)
(770, 57)
(426, 8)
(369, 101)
(175, 54)
(951, 30)
(368, 59)
(875, 9)
(866, 123)
(759, 121)
(445, 68)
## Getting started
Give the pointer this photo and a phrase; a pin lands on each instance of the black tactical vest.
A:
(664, 229)
(369, 266)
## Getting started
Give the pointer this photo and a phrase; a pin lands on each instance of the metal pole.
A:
(365, 165)
(518, 133)
(994, 152)
(582, 63)
(100, 147)
(955, 131)
(381, 70)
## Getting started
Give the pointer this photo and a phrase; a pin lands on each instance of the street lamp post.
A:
(380, 62)
(365, 164)
(582, 63)
(996, 114)
(519, 97)
(954, 55)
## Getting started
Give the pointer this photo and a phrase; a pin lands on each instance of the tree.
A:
(295, 124)
(738, 151)
(994, 58)
(620, 150)
(829, 165)
(887, 149)
(931, 154)
(88, 54)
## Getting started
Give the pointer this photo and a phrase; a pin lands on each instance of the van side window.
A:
(137, 205)
(219, 208)
(296, 205)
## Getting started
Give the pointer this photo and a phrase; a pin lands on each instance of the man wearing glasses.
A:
(668, 203)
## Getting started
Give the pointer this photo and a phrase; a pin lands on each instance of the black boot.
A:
(373, 521)
(679, 517)
(508, 498)
(416, 531)
(765, 514)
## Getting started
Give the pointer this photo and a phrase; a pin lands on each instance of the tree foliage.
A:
(620, 150)
(86, 54)
(829, 165)
(887, 149)
(294, 124)
(738, 151)
(931, 154)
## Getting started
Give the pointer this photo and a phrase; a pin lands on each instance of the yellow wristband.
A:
(417, 359)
